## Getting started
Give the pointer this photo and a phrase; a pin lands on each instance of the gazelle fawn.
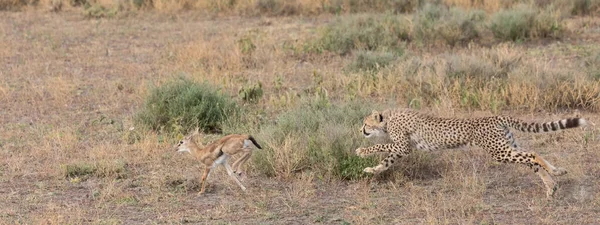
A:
(218, 152)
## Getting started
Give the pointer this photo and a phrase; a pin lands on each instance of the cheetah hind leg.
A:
(554, 171)
(540, 166)
(549, 183)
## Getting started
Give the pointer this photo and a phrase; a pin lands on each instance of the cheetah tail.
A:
(546, 127)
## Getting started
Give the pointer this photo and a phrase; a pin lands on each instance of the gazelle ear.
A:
(197, 131)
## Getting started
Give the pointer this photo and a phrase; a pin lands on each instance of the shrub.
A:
(364, 33)
(16, 4)
(251, 94)
(513, 24)
(585, 7)
(99, 11)
(371, 61)
(523, 22)
(183, 105)
(315, 137)
(276, 7)
(437, 23)
(592, 64)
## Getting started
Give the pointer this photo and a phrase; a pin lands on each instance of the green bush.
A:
(251, 94)
(315, 137)
(436, 22)
(182, 105)
(513, 24)
(362, 32)
(371, 61)
(523, 22)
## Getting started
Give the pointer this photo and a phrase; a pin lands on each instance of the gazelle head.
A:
(187, 144)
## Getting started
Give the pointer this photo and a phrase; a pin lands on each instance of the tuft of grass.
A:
(371, 61)
(99, 11)
(435, 22)
(592, 64)
(277, 8)
(84, 170)
(364, 32)
(182, 105)
(316, 137)
(548, 23)
(78, 170)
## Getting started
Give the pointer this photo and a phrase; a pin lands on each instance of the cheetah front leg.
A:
(397, 150)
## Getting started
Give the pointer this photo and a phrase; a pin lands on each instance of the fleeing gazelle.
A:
(218, 152)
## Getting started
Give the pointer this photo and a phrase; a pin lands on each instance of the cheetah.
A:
(410, 130)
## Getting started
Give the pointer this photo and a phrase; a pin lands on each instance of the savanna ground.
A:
(75, 79)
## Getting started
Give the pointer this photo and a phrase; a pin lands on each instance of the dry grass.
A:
(71, 86)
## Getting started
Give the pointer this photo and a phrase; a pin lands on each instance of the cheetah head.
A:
(374, 125)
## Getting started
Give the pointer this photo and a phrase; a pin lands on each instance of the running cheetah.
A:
(411, 130)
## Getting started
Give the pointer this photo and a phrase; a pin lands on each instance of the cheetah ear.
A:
(377, 116)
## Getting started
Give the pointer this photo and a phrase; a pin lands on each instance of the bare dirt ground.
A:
(70, 86)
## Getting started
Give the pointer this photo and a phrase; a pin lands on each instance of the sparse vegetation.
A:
(435, 22)
(364, 33)
(370, 61)
(84, 170)
(93, 101)
(585, 7)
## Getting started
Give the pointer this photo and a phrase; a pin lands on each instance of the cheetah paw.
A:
(559, 172)
(239, 174)
(361, 152)
(374, 170)
(551, 189)
(369, 170)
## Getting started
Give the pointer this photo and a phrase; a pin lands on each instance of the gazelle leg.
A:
(238, 164)
(204, 177)
(231, 174)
